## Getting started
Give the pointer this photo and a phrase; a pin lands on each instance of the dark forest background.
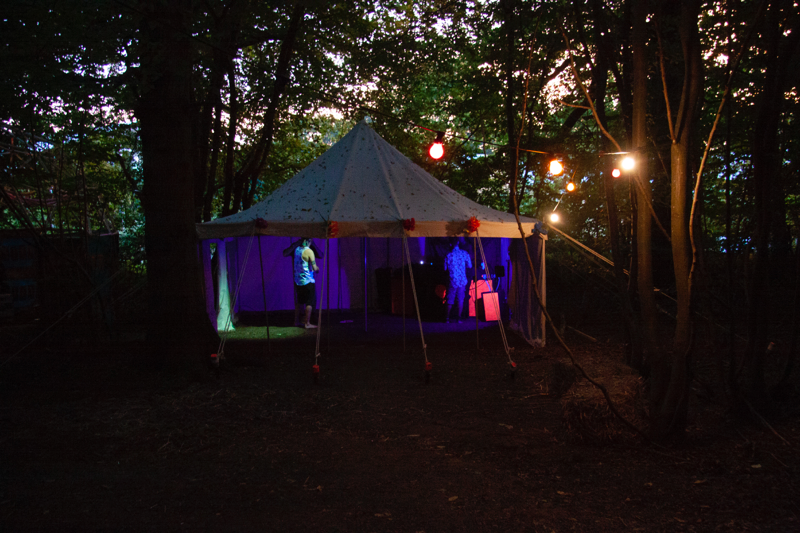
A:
(142, 117)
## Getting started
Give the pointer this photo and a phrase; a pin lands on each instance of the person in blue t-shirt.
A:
(456, 263)
(289, 252)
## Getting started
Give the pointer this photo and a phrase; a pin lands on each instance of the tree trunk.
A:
(681, 249)
(216, 146)
(281, 81)
(619, 274)
(177, 327)
(230, 145)
(767, 161)
(644, 222)
(598, 90)
(669, 379)
(508, 23)
(209, 114)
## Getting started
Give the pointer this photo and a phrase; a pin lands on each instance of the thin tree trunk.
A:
(205, 145)
(508, 23)
(216, 146)
(767, 160)
(643, 192)
(281, 81)
(598, 90)
(681, 250)
(616, 254)
(669, 380)
(732, 362)
(230, 145)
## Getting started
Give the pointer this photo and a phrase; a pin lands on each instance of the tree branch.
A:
(586, 94)
(562, 102)
(664, 81)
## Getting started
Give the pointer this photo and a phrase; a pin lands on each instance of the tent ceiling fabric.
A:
(368, 188)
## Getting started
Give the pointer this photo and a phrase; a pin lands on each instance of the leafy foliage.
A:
(491, 74)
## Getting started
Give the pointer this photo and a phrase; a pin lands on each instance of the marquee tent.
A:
(363, 195)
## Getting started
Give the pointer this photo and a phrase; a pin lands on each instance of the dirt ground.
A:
(88, 442)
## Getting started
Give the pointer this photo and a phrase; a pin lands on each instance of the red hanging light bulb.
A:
(436, 151)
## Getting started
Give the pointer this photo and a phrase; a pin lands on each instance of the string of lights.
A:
(436, 150)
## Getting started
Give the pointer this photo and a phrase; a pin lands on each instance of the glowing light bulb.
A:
(616, 173)
(555, 167)
(554, 217)
(436, 151)
(570, 187)
(628, 163)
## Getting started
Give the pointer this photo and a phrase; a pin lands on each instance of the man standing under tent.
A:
(456, 263)
(289, 252)
(305, 264)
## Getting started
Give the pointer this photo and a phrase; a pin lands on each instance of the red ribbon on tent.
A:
(261, 223)
(333, 229)
(409, 224)
(473, 224)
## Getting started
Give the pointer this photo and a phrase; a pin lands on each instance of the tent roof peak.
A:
(369, 188)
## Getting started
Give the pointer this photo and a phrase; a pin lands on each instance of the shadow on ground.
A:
(87, 443)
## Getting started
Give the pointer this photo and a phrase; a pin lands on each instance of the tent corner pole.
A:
(475, 292)
(366, 280)
(327, 294)
(403, 281)
(264, 294)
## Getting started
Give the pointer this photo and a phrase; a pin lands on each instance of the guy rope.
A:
(495, 302)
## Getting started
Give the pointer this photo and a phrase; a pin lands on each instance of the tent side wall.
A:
(345, 273)
(527, 317)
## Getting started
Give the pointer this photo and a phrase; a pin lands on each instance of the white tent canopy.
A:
(368, 188)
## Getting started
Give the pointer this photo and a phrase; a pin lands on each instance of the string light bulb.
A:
(570, 186)
(628, 163)
(555, 167)
(436, 151)
(554, 217)
(616, 173)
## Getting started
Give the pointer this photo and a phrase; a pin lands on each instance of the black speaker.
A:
(500, 271)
